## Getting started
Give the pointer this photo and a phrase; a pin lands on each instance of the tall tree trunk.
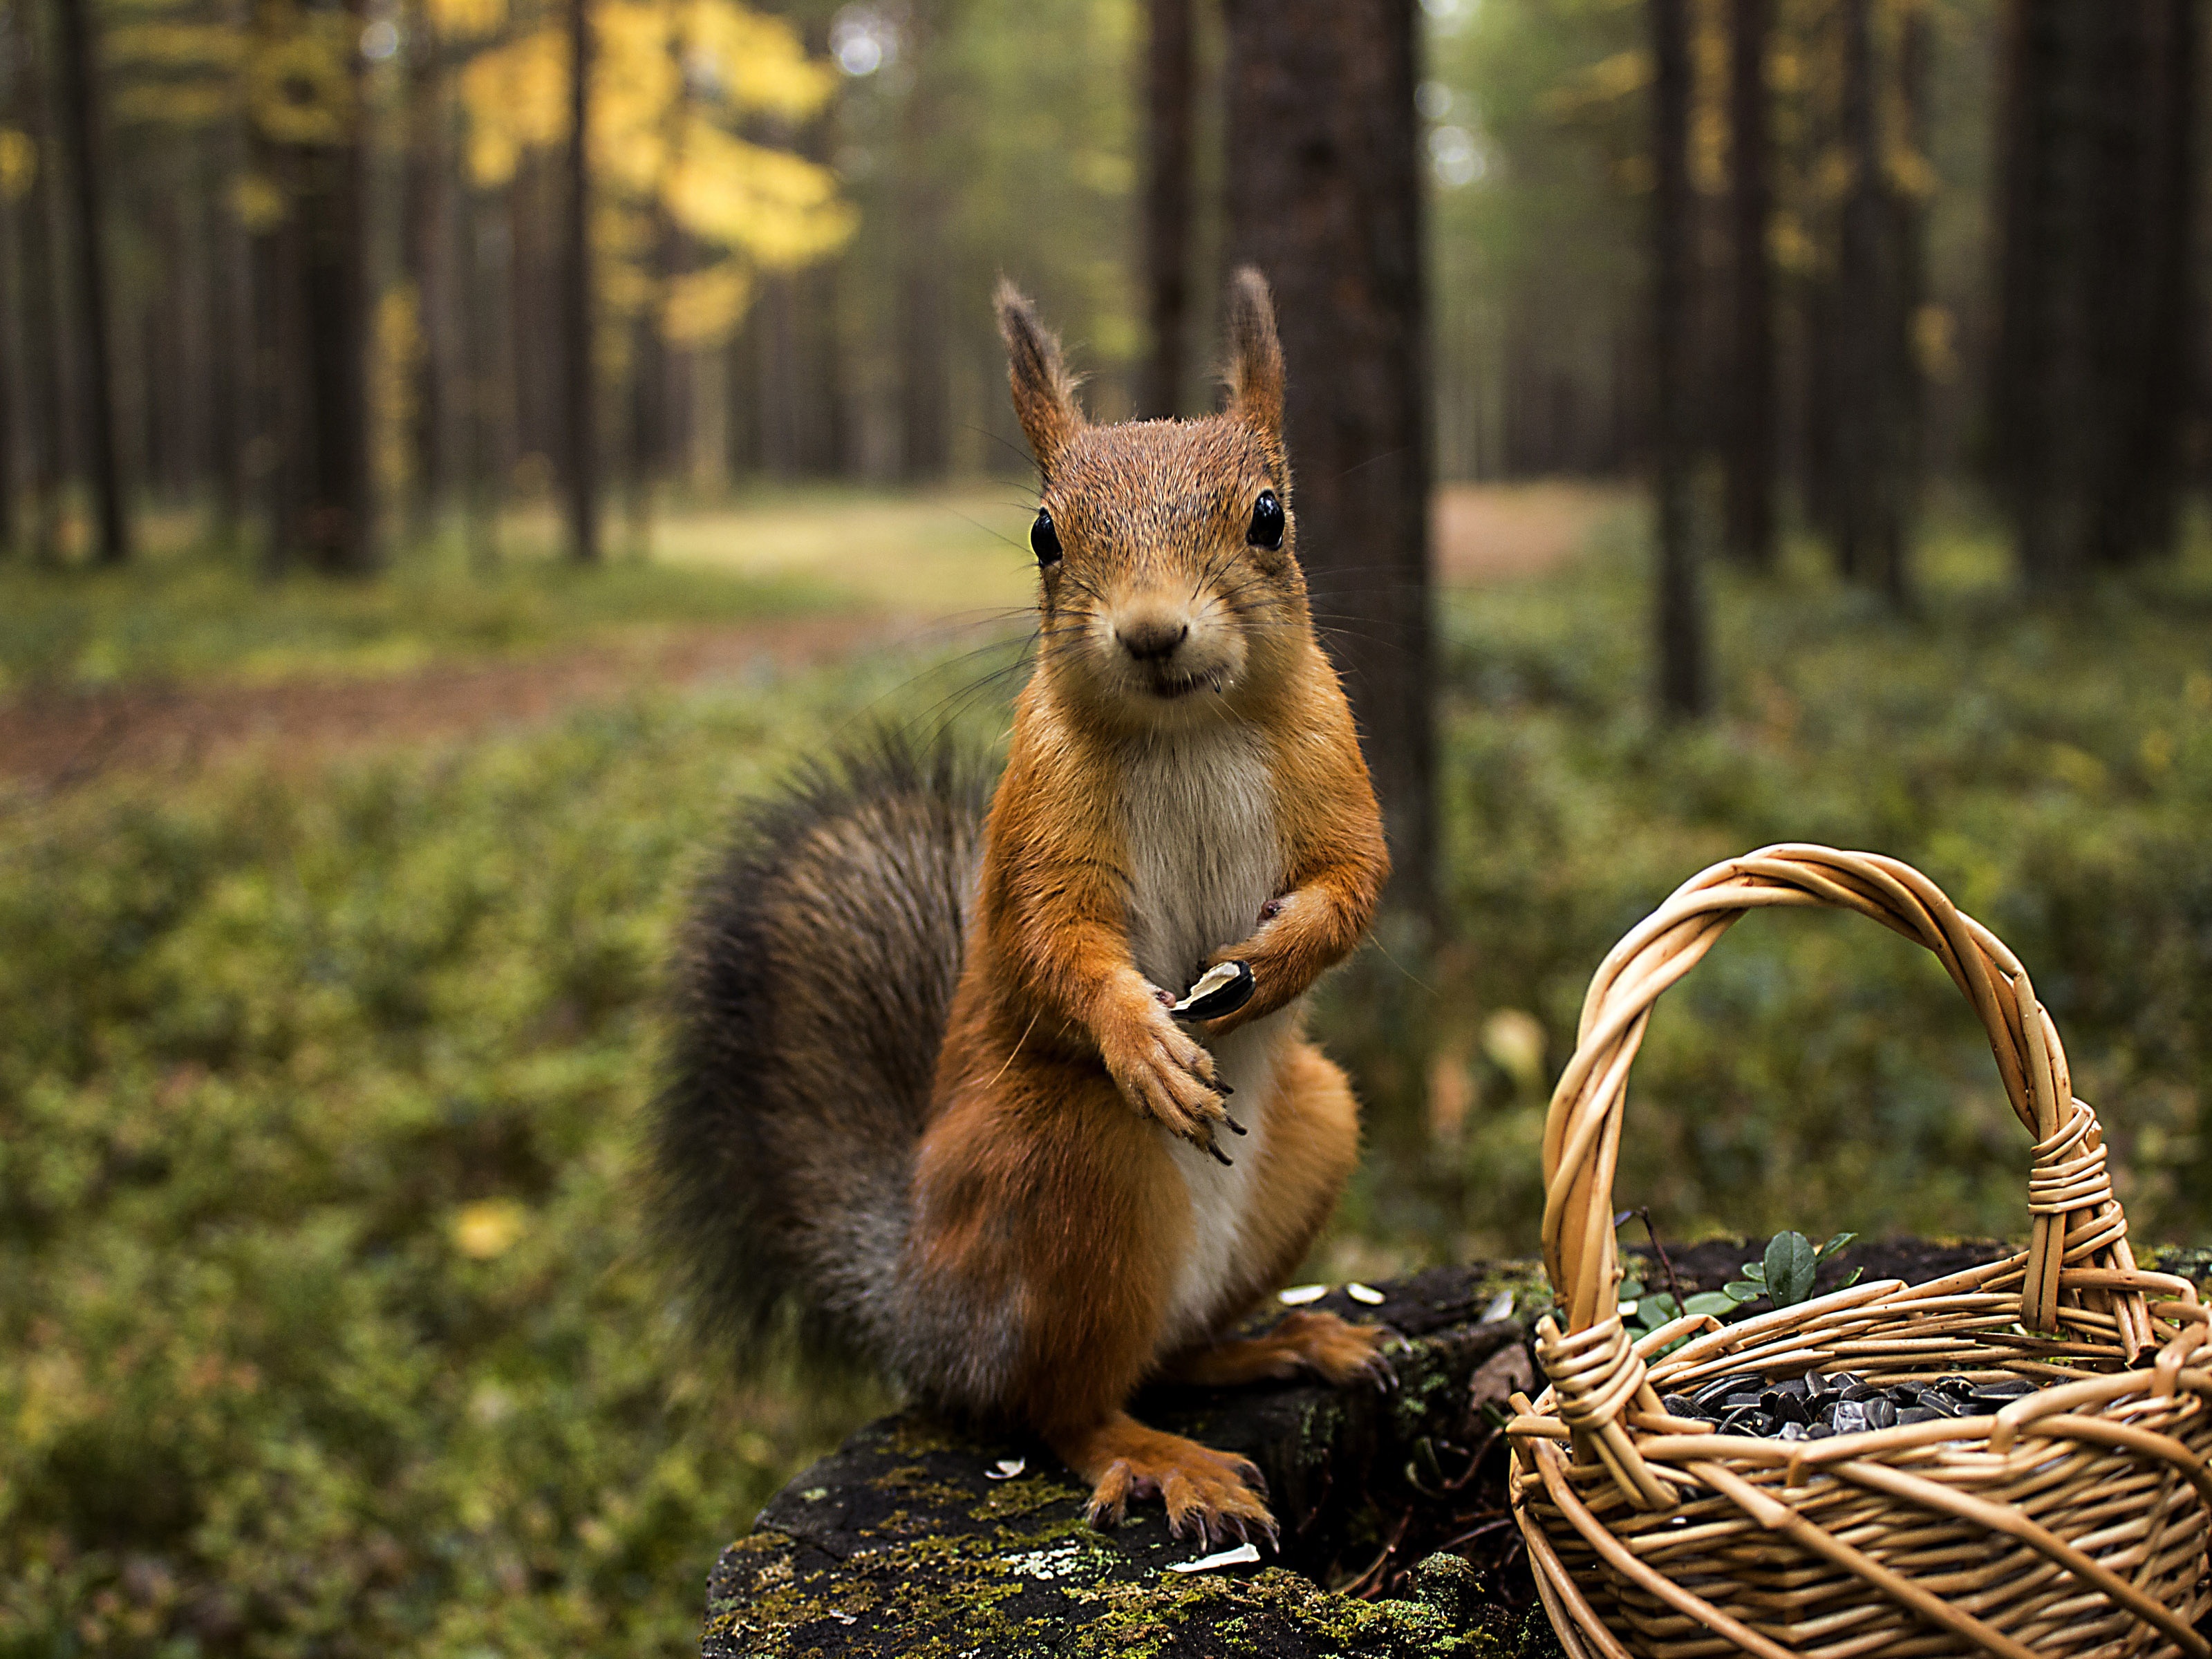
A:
(45, 311)
(1324, 195)
(427, 256)
(80, 127)
(1862, 294)
(1906, 434)
(1679, 613)
(10, 334)
(925, 378)
(2098, 210)
(1170, 120)
(1754, 404)
(487, 396)
(578, 403)
(338, 527)
(229, 328)
(2170, 402)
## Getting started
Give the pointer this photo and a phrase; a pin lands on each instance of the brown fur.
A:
(1044, 1190)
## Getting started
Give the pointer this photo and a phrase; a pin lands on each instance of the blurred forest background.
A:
(442, 470)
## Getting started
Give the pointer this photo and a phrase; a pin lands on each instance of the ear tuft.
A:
(1254, 372)
(1044, 392)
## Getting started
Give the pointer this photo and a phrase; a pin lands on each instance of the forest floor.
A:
(839, 575)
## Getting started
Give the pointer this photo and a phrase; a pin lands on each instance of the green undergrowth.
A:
(323, 1327)
(2049, 767)
(202, 613)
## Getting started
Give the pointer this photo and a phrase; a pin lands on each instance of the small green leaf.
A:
(1715, 1302)
(1631, 1289)
(1754, 1271)
(1656, 1309)
(1790, 1264)
(1857, 1275)
(1743, 1290)
(1834, 1244)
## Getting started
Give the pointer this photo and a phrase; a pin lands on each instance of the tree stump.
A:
(904, 1543)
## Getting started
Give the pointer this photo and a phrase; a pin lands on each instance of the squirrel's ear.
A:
(1044, 392)
(1256, 355)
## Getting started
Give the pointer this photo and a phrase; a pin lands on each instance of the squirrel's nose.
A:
(1148, 638)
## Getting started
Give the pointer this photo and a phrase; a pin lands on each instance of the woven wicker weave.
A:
(2071, 1521)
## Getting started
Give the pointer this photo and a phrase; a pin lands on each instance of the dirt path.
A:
(53, 741)
(58, 739)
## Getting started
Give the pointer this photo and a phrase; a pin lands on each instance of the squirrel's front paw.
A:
(1163, 1072)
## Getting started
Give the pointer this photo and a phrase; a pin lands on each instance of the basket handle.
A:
(2077, 1222)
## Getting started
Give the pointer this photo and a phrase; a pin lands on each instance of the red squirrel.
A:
(931, 1100)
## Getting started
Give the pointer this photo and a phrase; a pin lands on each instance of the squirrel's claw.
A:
(1213, 1150)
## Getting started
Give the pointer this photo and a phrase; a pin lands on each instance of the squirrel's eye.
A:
(1044, 539)
(1267, 529)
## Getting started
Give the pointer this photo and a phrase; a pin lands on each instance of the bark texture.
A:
(577, 313)
(2093, 386)
(1170, 105)
(79, 100)
(1753, 404)
(1679, 613)
(1324, 197)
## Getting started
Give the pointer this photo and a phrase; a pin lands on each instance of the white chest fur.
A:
(1205, 856)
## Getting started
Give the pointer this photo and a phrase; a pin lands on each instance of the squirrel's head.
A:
(1171, 587)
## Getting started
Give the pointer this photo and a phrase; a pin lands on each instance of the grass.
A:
(322, 1325)
(191, 612)
(2050, 767)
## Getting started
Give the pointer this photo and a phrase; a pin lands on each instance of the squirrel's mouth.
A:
(1169, 687)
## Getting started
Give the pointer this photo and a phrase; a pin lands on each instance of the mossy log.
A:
(902, 1543)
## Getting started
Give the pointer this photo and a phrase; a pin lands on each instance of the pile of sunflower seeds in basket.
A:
(1819, 1404)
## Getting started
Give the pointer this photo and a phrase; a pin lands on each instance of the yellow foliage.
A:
(175, 103)
(517, 99)
(759, 60)
(19, 164)
(395, 354)
(465, 20)
(487, 1228)
(782, 209)
(703, 306)
(298, 83)
(1603, 84)
(175, 48)
(257, 201)
(671, 80)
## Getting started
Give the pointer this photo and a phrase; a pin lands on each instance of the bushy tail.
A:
(813, 990)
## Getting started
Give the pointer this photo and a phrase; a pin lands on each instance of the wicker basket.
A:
(2073, 1521)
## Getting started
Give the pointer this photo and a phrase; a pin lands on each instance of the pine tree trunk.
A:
(1862, 417)
(228, 327)
(44, 309)
(487, 394)
(10, 356)
(428, 260)
(1324, 195)
(2170, 402)
(1679, 611)
(1751, 415)
(80, 126)
(1907, 433)
(2090, 384)
(579, 403)
(925, 386)
(337, 522)
(1170, 120)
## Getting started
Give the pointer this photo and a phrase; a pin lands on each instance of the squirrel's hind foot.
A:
(1336, 1350)
(1210, 1496)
